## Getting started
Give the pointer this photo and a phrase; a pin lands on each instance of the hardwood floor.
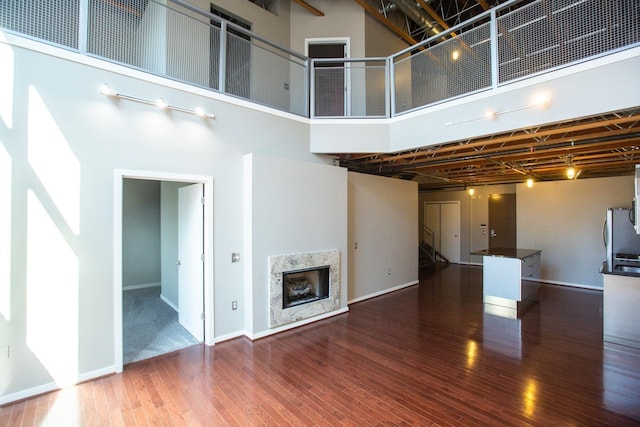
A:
(425, 355)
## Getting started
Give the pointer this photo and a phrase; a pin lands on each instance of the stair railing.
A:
(429, 237)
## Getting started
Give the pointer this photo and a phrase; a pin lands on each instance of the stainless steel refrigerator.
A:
(622, 242)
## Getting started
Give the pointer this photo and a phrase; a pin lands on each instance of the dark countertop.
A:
(604, 270)
(507, 252)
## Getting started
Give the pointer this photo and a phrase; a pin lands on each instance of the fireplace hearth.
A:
(303, 285)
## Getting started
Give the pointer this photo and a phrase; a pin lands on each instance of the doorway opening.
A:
(443, 218)
(332, 88)
(163, 264)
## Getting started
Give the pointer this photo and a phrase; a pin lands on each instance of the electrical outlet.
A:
(389, 272)
(234, 305)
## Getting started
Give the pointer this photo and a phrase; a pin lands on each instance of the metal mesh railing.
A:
(545, 35)
(186, 44)
(444, 70)
(350, 87)
(56, 21)
(533, 38)
(179, 42)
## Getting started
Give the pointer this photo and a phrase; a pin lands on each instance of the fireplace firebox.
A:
(304, 286)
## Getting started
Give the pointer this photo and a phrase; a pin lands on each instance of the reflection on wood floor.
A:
(423, 355)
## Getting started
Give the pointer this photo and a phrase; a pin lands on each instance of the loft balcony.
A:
(481, 77)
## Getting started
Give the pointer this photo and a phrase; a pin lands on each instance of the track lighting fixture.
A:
(161, 103)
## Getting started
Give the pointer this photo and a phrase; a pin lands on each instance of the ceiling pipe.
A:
(414, 12)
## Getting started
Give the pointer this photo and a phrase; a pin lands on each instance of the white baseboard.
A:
(230, 336)
(384, 291)
(169, 303)
(140, 286)
(297, 324)
(49, 387)
(30, 392)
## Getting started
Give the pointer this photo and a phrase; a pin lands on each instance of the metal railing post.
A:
(307, 88)
(83, 26)
(222, 64)
(493, 31)
(312, 88)
(391, 88)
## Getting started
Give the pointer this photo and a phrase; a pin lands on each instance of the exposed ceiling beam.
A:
(519, 136)
(484, 4)
(431, 11)
(384, 21)
(309, 7)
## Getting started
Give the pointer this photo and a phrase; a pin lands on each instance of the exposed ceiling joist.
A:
(384, 21)
(598, 146)
(434, 15)
(309, 7)
(484, 4)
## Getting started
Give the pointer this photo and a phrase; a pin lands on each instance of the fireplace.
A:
(304, 286)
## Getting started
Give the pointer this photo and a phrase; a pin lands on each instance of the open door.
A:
(191, 259)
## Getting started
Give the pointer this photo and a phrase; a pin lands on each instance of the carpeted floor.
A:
(150, 326)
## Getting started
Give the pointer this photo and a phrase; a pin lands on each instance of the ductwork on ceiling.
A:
(415, 13)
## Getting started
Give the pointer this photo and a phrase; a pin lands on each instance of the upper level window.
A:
(268, 5)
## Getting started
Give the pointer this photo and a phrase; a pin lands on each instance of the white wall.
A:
(379, 40)
(140, 233)
(383, 235)
(290, 207)
(562, 218)
(63, 142)
(565, 219)
(342, 19)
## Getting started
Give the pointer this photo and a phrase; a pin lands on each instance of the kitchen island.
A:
(621, 308)
(505, 289)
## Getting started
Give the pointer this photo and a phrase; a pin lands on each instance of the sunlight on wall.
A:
(6, 82)
(5, 234)
(52, 295)
(53, 161)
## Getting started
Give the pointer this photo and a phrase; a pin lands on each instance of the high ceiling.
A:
(599, 146)
(417, 20)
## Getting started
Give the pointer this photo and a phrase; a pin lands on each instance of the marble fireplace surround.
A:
(279, 264)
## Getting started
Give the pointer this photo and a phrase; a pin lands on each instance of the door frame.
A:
(347, 54)
(119, 176)
(456, 203)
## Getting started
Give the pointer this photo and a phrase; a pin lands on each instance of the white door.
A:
(190, 259)
(443, 218)
(450, 231)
